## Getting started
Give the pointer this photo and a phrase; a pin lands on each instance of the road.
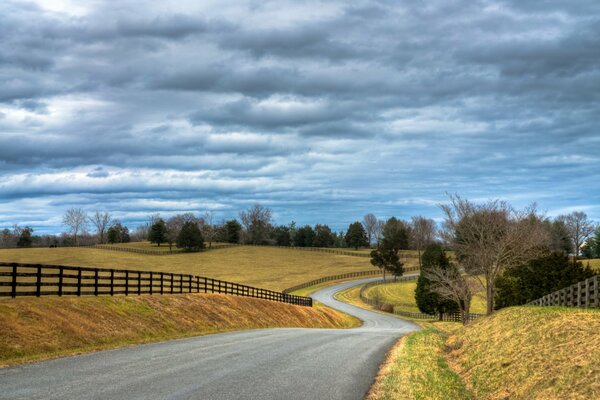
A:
(277, 364)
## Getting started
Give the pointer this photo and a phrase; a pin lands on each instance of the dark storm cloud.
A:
(323, 111)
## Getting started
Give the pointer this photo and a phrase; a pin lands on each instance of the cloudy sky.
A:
(323, 111)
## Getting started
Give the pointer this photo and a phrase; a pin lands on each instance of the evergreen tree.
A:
(25, 238)
(190, 237)
(304, 236)
(232, 229)
(282, 236)
(427, 300)
(386, 257)
(158, 232)
(323, 236)
(522, 284)
(356, 236)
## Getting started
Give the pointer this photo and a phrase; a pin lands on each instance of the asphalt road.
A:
(277, 364)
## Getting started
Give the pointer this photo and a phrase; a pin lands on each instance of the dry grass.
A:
(402, 296)
(266, 267)
(415, 369)
(531, 353)
(594, 263)
(34, 329)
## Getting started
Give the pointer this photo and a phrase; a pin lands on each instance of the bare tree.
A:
(423, 233)
(370, 224)
(578, 228)
(175, 223)
(492, 236)
(76, 219)
(379, 231)
(256, 221)
(102, 222)
(450, 284)
(208, 229)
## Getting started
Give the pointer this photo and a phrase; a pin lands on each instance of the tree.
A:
(356, 236)
(450, 284)
(387, 254)
(257, 221)
(76, 220)
(282, 236)
(579, 228)
(323, 236)
(117, 233)
(423, 233)
(595, 243)
(6, 238)
(158, 232)
(190, 237)
(370, 224)
(428, 300)
(305, 236)
(490, 237)
(559, 241)
(208, 229)
(232, 231)
(25, 238)
(379, 231)
(521, 284)
(101, 221)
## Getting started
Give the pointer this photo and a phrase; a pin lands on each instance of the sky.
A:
(321, 110)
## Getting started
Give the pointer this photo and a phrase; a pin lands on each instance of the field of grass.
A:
(266, 267)
(402, 295)
(416, 369)
(34, 329)
(594, 263)
(521, 353)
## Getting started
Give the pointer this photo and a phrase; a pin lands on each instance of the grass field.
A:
(35, 329)
(521, 353)
(266, 267)
(402, 295)
(594, 263)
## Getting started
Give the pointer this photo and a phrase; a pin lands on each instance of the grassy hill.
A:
(518, 353)
(266, 267)
(402, 295)
(34, 329)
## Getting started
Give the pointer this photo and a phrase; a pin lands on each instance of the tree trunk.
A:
(441, 316)
(465, 315)
(490, 296)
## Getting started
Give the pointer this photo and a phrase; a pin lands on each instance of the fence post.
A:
(126, 283)
(60, 281)
(112, 282)
(151, 282)
(162, 277)
(171, 283)
(13, 291)
(96, 282)
(139, 283)
(38, 281)
(180, 283)
(79, 282)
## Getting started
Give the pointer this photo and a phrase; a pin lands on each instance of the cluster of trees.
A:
(513, 255)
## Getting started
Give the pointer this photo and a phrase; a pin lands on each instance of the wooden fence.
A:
(164, 252)
(452, 317)
(59, 280)
(582, 294)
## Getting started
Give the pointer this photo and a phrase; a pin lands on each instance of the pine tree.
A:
(158, 232)
(356, 236)
(190, 237)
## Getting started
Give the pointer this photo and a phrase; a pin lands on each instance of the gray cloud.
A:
(321, 111)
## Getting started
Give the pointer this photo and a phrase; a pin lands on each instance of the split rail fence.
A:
(59, 280)
(581, 294)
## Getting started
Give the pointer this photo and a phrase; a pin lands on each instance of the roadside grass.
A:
(33, 329)
(416, 369)
(402, 296)
(530, 353)
(265, 267)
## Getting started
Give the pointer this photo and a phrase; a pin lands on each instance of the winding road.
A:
(277, 364)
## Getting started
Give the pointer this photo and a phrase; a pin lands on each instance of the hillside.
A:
(266, 267)
(34, 329)
(518, 353)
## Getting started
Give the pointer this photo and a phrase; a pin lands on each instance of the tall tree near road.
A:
(579, 228)
(387, 254)
(427, 299)
(489, 237)
(423, 233)
(76, 219)
(450, 284)
(101, 220)
(370, 224)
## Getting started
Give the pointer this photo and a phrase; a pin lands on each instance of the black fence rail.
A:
(582, 294)
(340, 276)
(164, 252)
(59, 280)
(377, 303)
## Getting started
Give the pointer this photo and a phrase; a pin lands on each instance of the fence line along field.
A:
(265, 267)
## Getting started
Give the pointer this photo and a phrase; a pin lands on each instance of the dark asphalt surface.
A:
(259, 364)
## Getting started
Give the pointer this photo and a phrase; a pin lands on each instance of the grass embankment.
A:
(402, 296)
(34, 329)
(266, 267)
(518, 353)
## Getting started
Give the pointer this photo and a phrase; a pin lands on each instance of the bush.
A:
(387, 307)
(190, 237)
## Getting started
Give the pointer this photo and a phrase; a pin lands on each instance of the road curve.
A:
(257, 364)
